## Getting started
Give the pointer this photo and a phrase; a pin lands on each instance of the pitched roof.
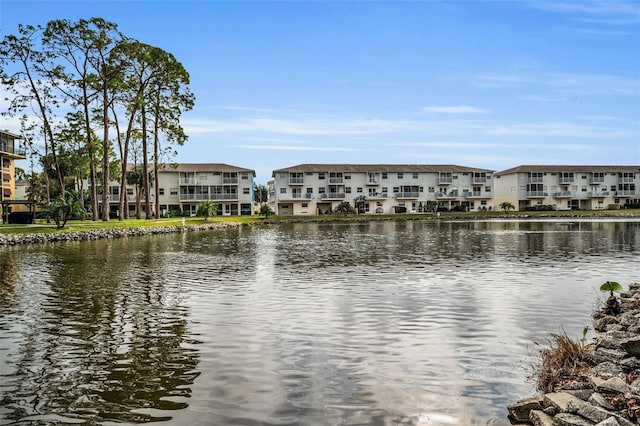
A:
(568, 168)
(203, 167)
(372, 168)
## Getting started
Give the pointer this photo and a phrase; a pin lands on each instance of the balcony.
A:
(596, 179)
(372, 182)
(625, 179)
(13, 150)
(296, 180)
(187, 181)
(598, 194)
(446, 196)
(561, 194)
(332, 196)
(377, 196)
(445, 180)
(479, 179)
(336, 180)
(406, 194)
(565, 180)
(229, 180)
(200, 197)
(626, 193)
(478, 194)
(537, 194)
(535, 179)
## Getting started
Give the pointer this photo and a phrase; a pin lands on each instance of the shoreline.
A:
(92, 234)
(603, 388)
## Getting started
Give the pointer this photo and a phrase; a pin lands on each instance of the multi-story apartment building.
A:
(310, 189)
(9, 152)
(182, 186)
(568, 187)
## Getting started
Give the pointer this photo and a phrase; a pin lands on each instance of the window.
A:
(487, 189)
(415, 175)
(384, 175)
(385, 189)
(283, 190)
(321, 190)
(129, 191)
(421, 189)
(283, 176)
(396, 189)
(347, 190)
(161, 191)
(359, 190)
(245, 175)
(308, 173)
(431, 189)
(172, 191)
(309, 190)
(245, 191)
(347, 176)
(400, 175)
(483, 202)
(305, 205)
(320, 175)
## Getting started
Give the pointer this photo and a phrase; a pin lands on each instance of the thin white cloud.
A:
(457, 109)
(294, 148)
(560, 129)
(502, 146)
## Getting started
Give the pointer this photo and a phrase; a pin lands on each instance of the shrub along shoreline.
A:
(85, 230)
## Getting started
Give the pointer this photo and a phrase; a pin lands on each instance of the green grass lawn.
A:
(77, 225)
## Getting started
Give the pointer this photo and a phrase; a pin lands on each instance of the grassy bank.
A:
(76, 225)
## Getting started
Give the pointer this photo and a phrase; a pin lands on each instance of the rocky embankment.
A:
(606, 390)
(100, 234)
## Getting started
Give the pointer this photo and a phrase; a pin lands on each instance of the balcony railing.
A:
(625, 179)
(187, 181)
(625, 193)
(445, 179)
(444, 195)
(334, 195)
(562, 194)
(596, 179)
(336, 180)
(296, 180)
(230, 180)
(12, 150)
(478, 194)
(535, 179)
(566, 179)
(479, 179)
(200, 197)
(537, 194)
(372, 182)
(378, 195)
(410, 194)
(600, 194)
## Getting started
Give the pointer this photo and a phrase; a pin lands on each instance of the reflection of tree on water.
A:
(9, 271)
(109, 343)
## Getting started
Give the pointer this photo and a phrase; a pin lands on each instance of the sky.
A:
(490, 84)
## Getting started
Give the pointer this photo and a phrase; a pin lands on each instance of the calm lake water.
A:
(416, 322)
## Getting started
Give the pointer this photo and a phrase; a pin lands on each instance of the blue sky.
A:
(491, 84)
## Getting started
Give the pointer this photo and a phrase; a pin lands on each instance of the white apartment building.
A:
(311, 189)
(568, 187)
(182, 186)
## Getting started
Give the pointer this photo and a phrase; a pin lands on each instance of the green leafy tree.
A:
(62, 208)
(506, 206)
(344, 207)
(266, 211)
(30, 86)
(207, 208)
(260, 193)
